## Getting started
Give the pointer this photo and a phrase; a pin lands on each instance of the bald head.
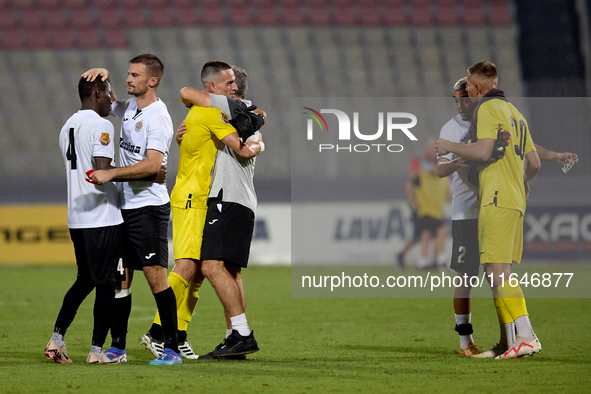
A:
(482, 77)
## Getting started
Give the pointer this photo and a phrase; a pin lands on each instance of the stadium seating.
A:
(307, 48)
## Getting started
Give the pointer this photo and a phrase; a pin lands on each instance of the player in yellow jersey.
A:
(503, 189)
(427, 194)
(206, 127)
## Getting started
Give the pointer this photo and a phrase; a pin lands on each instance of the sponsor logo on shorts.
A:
(148, 257)
(213, 221)
(105, 140)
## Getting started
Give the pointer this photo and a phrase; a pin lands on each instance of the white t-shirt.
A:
(465, 203)
(231, 172)
(149, 128)
(84, 136)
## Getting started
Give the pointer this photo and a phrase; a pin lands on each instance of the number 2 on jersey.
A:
(71, 153)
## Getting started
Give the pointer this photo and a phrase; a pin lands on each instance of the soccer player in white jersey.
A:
(94, 219)
(465, 209)
(146, 133)
(465, 258)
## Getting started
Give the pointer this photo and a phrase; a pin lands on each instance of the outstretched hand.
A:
(564, 157)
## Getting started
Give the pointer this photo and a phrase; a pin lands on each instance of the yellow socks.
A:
(179, 286)
(186, 308)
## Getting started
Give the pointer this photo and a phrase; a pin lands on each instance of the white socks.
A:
(507, 333)
(465, 340)
(442, 259)
(422, 262)
(96, 350)
(58, 339)
(523, 327)
(240, 324)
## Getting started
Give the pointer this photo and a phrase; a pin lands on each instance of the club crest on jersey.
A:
(105, 139)
(225, 118)
(138, 126)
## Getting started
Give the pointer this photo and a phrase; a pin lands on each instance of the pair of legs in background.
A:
(426, 229)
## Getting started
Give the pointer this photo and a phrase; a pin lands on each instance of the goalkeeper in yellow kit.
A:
(503, 189)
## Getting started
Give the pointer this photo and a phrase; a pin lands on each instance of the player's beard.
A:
(137, 90)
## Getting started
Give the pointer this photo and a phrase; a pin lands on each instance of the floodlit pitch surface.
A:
(307, 345)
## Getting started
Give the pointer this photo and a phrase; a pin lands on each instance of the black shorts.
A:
(465, 256)
(415, 221)
(427, 223)
(98, 251)
(228, 232)
(145, 236)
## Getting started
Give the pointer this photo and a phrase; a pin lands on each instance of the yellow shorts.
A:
(500, 235)
(187, 232)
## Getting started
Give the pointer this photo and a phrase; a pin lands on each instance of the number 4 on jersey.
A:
(120, 268)
(71, 153)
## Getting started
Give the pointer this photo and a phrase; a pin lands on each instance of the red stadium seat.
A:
(186, 17)
(395, 16)
(12, 39)
(104, 4)
(370, 16)
(7, 20)
(315, 3)
(421, 16)
(130, 4)
(49, 4)
(292, 16)
(73, 4)
(37, 39)
(318, 16)
(156, 3)
(210, 3)
(447, 16)
(419, 3)
(30, 19)
(240, 16)
(55, 20)
(161, 17)
(472, 3)
(236, 4)
(22, 4)
(61, 39)
(109, 18)
(344, 16)
(499, 16)
(116, 38)
(87, 38)
(212, 17)
(184, 4)
(134, 18)
(266, 16)
(473, 17)
(445, 3)
(289, 3)
(81, 19)
(344, 3)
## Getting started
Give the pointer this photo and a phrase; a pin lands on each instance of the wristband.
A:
(262, 145)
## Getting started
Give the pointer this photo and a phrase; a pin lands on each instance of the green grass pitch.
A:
(307, 345)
